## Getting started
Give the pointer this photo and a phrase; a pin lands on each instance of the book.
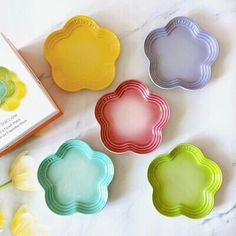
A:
(25, 106)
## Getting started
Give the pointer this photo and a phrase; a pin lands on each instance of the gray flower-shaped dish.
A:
(181, 54)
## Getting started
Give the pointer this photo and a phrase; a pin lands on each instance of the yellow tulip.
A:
(24, 223)
(2, 221)
(22, 173)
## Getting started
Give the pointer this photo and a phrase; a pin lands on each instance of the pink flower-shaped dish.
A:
(131, 118)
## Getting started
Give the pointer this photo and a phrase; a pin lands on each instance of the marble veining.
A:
(205, 117)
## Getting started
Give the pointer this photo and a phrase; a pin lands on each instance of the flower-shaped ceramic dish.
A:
(131, 118)
(15, 94)
(181, 54)
(76, 179)
(184, 182)
(82, 55)
(7, 86)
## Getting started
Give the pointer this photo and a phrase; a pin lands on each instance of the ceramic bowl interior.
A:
(91, 53)
(181, 54)
(131, 118)
(184, 182)
(76, 178)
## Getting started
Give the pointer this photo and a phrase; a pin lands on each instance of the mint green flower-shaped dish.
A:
(7, 86)
(184, 182)
(76, 179)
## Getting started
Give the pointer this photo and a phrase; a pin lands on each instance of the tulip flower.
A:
(2, 221)
(24, 223)
(22, 173)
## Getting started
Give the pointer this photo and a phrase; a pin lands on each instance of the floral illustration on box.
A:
(12, 90)
(181, 54)
(82, 55)
(184, 182)
(132, 118)
(76, 179)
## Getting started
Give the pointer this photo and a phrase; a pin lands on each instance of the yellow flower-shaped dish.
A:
(184, 182)
(82, 55)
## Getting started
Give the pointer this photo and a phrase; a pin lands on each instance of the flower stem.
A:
(5, 184)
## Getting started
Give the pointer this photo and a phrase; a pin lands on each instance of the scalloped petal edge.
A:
(198, 33)
(209, 191)
(149, 97)
(68, 209)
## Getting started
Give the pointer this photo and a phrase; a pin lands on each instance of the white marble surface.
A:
(205, 117)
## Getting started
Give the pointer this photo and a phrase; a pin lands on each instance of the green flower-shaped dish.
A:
(76, 179)
(184, 182)
(7, 86)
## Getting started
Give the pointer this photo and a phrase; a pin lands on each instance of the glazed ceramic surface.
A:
(82, 55)
(76, 178)
(132, 118)
(184, 182)
(181, 54)
(205, 117)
